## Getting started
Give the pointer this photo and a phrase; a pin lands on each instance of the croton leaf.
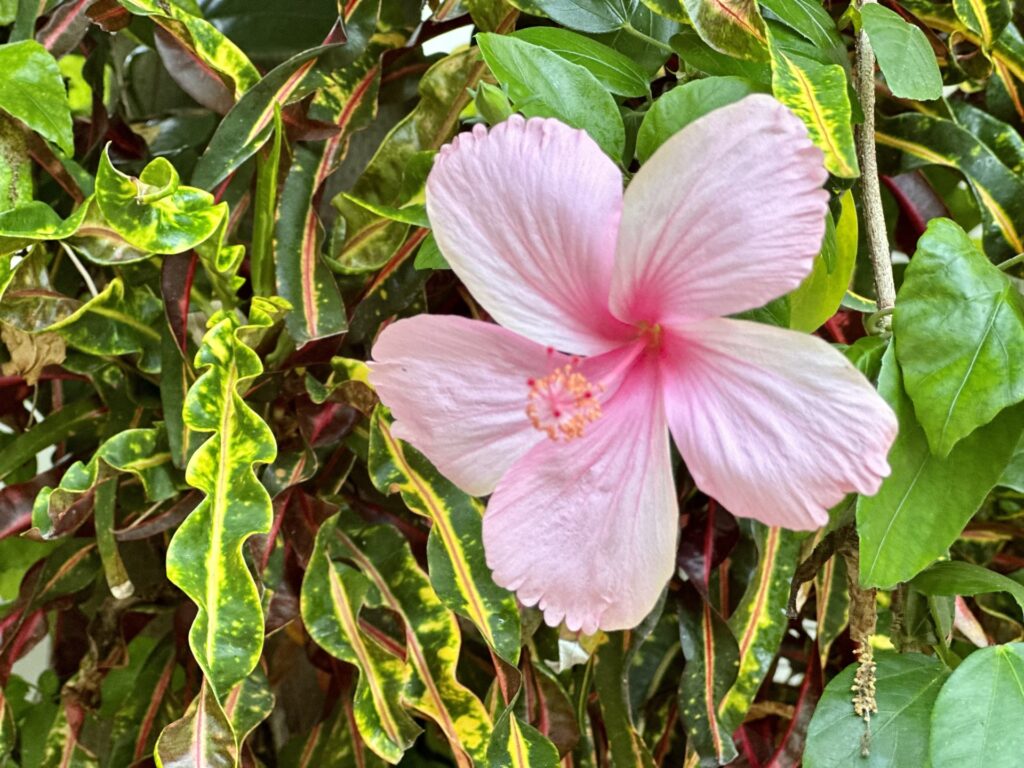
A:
(155, 212)
(205, 556)
(332, 596)
(202, 738)
(734, 27)
(455, 550)
(987, 18)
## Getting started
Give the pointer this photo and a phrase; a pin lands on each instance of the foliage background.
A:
(208, 208)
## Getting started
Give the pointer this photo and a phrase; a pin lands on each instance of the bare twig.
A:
(870, 190)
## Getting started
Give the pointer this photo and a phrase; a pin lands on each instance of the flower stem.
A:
(870, 191)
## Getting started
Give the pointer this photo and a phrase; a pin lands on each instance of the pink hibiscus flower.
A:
(612, 335)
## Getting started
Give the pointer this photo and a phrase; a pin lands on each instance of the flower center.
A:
(650, 334)
(563, 402)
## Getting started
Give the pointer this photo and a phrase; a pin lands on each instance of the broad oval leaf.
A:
(925, 503)
(959, 334)
(588, 15)
(615, 71)
(543, 84)
(904, 54)
(955, 577)
(32, 90)
(978, 711)
(673, 111)
(905, 689)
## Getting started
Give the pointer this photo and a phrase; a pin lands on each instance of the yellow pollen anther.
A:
(562, 403)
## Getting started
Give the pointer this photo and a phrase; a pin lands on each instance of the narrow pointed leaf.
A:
(201, 739)
(302, 276)
(433, 639)
(818, 94)
(332, 596)
(986, 18)
(455, 550)
(760, 621)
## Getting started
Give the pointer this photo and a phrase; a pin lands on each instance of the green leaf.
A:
(429, 256)
(926, 140)
(832, 598)
(611, 679)
(74, 418)
(812, 21)
(904, 54)
(955, 577)
(615, 71)
(154, 212)
(303, 278)
(117, 321)
(207, 42)
(268, 167)
(925, 503)
(332, 597)
(519, 745)
(432, 634)
(905, 689)
(759, 622)
(733, 27)
(205, 556)
(977, 712)
(959, 334)
(32, 90)
(699, 56)
(248, 704)
(818, 94)
(250, 122)
(398, 169)
(821, 293)
(543, 84)
(712, 664)
(588, 15)
(455, 550)
(676, 109)
(141, 452)
(414, 213)
(34, 221)
(986, 18)
(201, 739)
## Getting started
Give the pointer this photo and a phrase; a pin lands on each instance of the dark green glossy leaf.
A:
(588, 15)
(611, 679)
(32, 90)
(904, 54)
(925, 503)
(955, 577)
(543, 84)
(674, 110)
(976, 712)
(959, 332)
(906, 687)
(615, 71)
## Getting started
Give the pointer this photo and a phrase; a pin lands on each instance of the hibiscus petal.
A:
(725, 216)
(586, 529)
(457, 389)
(526, 215)
(774, 424)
